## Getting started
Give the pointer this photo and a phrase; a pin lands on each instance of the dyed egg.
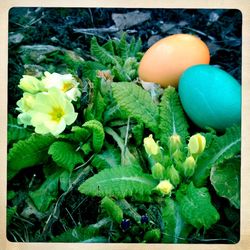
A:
(210, 97)
(165, 61)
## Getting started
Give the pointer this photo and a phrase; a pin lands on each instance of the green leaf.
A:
(90, 69)
(196, 207)
(64, 180)
(112, 209)
(10, 213)
(78, 134)
(47, 193)
(80, 234)
(29, 152)
(119, 182)
(107, 159)
(10, 195)
(76, 234)
(225, 179)
(101, 54)
(175, 230)
(127, 158)
(138, 132)
(98, 133)
(221, 149)
(65, 155)
(135, 47)
(109, 46)
(137, 103)
(123, 47)
(153, 236)
(172, 117)
(16, 132)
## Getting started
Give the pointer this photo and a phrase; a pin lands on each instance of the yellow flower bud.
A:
(197, 144)
(151, 147)
(157, 171)
(189, 166)
(174, 142)
(173, 175)
(165, 187)
(30, 84)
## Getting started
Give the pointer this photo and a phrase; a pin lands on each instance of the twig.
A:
(126, 137)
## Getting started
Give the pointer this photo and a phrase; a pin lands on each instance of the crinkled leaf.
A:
(107, 159)
(175, 229)
(16, 132)
(78, 134)
(119, 182)
(112, 209)
(65, 155)
(172, 117)
(98, 133)
(29, 152)
(225, 179)
(137, 103)
(221, 149)
(196, 207)
(101, 54)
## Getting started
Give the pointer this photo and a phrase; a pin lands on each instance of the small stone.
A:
(153, 39)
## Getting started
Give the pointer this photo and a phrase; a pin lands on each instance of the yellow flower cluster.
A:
(46, 103)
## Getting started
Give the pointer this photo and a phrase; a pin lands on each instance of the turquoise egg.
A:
(210, 97)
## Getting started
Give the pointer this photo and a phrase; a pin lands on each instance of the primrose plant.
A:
(132, 151)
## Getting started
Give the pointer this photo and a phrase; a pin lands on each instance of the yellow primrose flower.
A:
(66, 83)
(51, 112)
(151, 147)
(25, 105)
(165, 187)
(30, 84)
(197, 144)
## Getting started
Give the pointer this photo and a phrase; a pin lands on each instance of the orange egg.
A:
(165, 61)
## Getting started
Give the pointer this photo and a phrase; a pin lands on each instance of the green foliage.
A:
(90, 69)
(10, 213)
(82, 234)
(119, 182)
(107, 159)
(153, 236)
(46, 193)
(10, 195)
(172, 117)
(175, 228)
(138, 132)
(16, 132)
(137, 103)
(112, 209)
(29, 152)
(101, 54)
(225, 179)
(196, 208)
(98, 133)
(127, 158)
(65, 155)
(220, 149)
(78, 134)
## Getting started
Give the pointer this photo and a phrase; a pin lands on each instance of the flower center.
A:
(67, 86)
(56, 114)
